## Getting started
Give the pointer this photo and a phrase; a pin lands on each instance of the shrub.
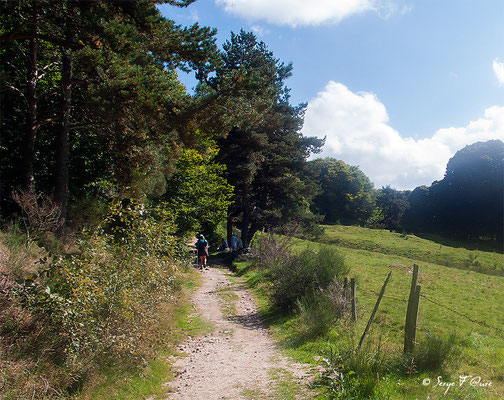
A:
(339, 301)
(96, 306)
(86, 211)
(40, 212)
(319, 312)
(354, 373)
(302, 275)
(269, 250)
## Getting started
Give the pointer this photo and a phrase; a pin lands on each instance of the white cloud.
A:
(259, 30)
(357, 130)
(498, 68)
(194, 16)
(298, 12)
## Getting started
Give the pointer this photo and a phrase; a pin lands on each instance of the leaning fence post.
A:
(352, 293)
(382, 292)
(412, 313)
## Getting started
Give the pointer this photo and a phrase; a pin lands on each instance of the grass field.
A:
(458, 300)
(416, 248)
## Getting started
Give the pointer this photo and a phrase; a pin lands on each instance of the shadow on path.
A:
(249, 321)
(224, 259)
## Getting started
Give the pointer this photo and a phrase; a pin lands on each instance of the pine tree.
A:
(264, 151)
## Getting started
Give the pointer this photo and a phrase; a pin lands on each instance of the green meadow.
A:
(458, 304)
(438, 250)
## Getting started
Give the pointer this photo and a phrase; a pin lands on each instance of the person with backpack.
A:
(234, 245)
(202, 247)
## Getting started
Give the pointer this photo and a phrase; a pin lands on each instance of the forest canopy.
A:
(93, 111)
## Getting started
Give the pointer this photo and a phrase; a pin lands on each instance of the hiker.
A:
(202, 247)
(234, 244)
(224, 246)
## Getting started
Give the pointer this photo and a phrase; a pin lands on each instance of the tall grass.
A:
(319, 311)
(363, 373)
(96, 306)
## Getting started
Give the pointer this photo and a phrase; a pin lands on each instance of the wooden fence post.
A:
(354, 305)
(412, 313)
(382, 292)
(345, 288)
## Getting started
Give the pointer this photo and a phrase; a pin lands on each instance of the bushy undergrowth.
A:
(319, 312)
(353, 373)
(362, 373)
(93, 307)
(432, 354)
(295, 277)
(310, 282)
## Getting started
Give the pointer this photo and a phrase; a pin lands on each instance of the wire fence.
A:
(481, 323)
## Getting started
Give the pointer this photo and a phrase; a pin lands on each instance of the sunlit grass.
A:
(414, 247)
(457, 291)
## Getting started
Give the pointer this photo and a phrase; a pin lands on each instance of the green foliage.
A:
(100, 304)
(298, 277)
(377, 219)
(87, 212)
(353, 374)
(264, 151)
(319, 312)
(198, 193)
(433, 354)
(305, 273)
(129, 113)
(347, 194)
(393, 203)
(362, 373)
(467, 202)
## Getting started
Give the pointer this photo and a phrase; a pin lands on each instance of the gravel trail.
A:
(239, 359)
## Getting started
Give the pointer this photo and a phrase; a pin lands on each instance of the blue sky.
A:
(397, 86)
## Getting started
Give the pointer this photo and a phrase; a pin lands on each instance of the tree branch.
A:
(46, 121)
(46, 95)
(10, 37)
(15, 89)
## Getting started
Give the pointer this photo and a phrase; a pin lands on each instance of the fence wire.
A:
(481, 323)
(390, 297)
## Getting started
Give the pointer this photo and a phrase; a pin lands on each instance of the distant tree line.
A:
(466, 204)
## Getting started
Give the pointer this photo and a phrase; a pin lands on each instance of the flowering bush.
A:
(99, 303)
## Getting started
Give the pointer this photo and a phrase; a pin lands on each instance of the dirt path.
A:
(239, 359)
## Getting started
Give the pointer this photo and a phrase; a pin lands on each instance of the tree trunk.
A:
(253, 229)
(27, 179)
(62, 142)
(245, 215)
(229, 227)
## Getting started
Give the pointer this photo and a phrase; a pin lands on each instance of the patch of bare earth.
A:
(237, 359)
